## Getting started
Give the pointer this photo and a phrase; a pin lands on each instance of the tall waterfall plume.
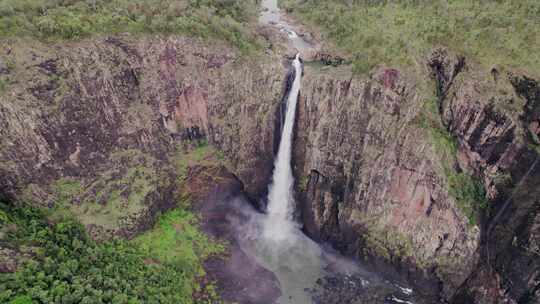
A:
(279, 222)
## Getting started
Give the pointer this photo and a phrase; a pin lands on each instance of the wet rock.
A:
(353, 289)
(240, 279)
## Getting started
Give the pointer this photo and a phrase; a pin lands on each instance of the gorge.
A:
(405, 181)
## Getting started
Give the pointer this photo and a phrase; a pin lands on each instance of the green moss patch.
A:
(121, 194)
(116, 198)
(66, 190)
(200, 154)
(388, 244)
(176, 240)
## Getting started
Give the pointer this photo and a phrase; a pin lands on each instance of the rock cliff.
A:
(436, 175)
(373, 180)
(432, 171)
(104, 126)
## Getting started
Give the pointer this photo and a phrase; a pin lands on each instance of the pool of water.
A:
(309, 273)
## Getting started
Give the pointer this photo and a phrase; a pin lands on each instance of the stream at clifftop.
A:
(271, 15)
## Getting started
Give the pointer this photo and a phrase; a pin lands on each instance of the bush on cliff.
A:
(69, 267)
(467, 190)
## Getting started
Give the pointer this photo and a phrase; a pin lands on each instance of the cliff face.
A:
(376, 182)
(372, 178)
(107, 128)
(494, 115)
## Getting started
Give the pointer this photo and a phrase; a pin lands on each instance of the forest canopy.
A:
(64, 265)
(74, 19)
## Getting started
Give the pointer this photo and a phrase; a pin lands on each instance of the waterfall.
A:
(279, 222)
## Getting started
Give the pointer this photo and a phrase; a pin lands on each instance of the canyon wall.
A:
(373, 181)
(385, 164)
(380, 181)
(495, 115)
(106, 126)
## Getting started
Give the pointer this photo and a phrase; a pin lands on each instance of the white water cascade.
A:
(279, 222)
(279, 245)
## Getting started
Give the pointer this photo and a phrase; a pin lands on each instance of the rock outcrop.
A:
(494, 117)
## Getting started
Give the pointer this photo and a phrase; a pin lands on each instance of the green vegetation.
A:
(3, 85)
(22, 300)
(535, 147)
(114, 200)
(388, 244)
(66, 190)
(468, 191)
(64, 265)
(201, 154)
(176, 240)
(161, 266)
(75, 19)
(303, 183)
(399, 32)
(117, 196)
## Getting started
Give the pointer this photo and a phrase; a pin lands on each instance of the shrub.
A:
(21, 300)
(469, 194)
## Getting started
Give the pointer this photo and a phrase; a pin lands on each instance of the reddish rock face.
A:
(191, 109)
(389, 78)
(115, 115)
(375, 185)
(494, 121)
(120, 93)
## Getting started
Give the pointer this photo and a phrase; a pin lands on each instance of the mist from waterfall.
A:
(279, 223)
